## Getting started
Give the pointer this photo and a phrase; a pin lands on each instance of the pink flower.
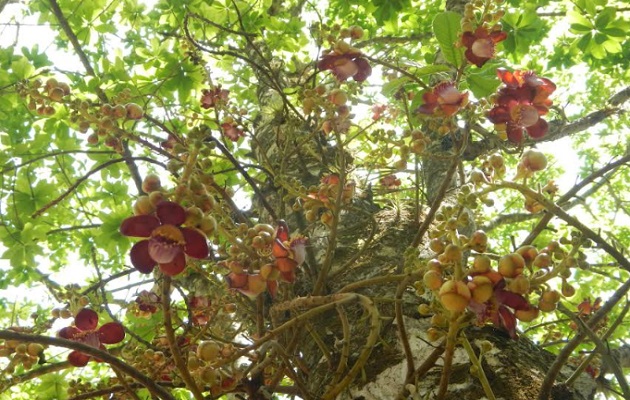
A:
(167, 244)
(346, 65)
(444, 100)
(231, 131)
(212, 97)
(480, 46)
(84, 331)
(520, 103)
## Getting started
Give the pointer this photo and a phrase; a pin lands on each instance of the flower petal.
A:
(365, 70)
(279, 250)
(111, 332)
(282, 232)
(288, 276)
(286, 264)
(69, 332)
(139, 225)
(539, 129)
(171, 213)
(514, 133)
(86, 320)
(174, 267)
(78, 359)
(508, 321)
(196, 243)
(140, 258)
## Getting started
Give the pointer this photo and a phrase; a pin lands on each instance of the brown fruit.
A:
(55, 94)
(455, 295)
(481, 288)
(356, 32)
(338, 97)
(151, 183)
(143, 206)
(481, 264)
(527, 315)
(134, 111)
(432, 279)
(528, 253)
(208, 350)
(511, 265)
(452, 253)
(34, 349)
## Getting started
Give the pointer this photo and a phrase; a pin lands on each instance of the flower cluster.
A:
(167, 243)
(520, 103)
(288, 254)
(84, 331)
(443, 101)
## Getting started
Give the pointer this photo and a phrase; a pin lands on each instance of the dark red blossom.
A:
(500, 308)
(212, 97)
(351, 64)
(232, 132)
(84, 331)
(480, 45)
(168, 243)
(520, 103)
(148, 302)
(443, 101)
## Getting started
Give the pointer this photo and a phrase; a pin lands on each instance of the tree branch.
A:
(94, 352)
(65, 26)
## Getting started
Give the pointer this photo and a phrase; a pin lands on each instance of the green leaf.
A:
(612, 46)
(391, 87)
(579, 28)
(604, 17)
(446, 27)
(22, 68)
(482, 85)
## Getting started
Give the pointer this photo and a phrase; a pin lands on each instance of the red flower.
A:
(480, 46)
(167, 244)
(346, 65)
(84, 331)
(289, 253)
(499, 309)
(148, 302)
(520, 103)
(211, 97)
(231, 131)
(444, 100)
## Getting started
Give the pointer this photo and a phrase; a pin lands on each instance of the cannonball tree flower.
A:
(167, 243)
(520, 104)
(443, 101)
(500, 309)
(212, 97)
(84, 331)
(481, 44)
(350, 64)
(231, 130)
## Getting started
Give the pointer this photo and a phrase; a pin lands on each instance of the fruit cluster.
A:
(319, 200)
(20, 353)
(262, 257)
(41, 96)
